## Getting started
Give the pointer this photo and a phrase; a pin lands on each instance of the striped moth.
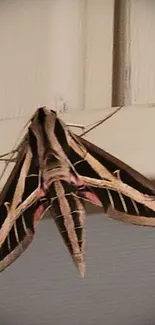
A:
(56, 172)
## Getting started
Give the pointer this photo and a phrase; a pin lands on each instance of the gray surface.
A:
(43, 287)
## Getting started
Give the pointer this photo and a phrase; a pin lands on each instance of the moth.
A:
(56, 172)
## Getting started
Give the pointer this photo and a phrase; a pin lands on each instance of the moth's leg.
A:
(94, 125)
(9, 156)
(79, 126)
(12, 152)
(118, 186)
(8, 160)
(8, 153)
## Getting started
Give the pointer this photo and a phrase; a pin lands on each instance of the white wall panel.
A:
(41, 49)
(66, 50)
(55, 52)
(142, 51)
(22, 46)
(98, 57)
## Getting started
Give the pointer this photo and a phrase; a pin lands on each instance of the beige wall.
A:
(49, 51)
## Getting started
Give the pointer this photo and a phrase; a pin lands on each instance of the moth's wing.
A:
(17, 235)
(116, 204)
(69, 215)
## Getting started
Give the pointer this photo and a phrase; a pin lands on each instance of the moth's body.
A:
(56, 180)
(56, 172)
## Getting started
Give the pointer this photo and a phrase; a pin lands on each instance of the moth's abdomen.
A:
(69, 214)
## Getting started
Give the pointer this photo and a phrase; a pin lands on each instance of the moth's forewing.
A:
(116, 204)
(16, 235)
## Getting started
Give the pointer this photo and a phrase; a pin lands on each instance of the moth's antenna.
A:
(78, 126)
(101, 121)
(15, 149)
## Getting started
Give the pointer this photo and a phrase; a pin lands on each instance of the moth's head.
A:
(41, 114)
(50, 130)
(47, 119)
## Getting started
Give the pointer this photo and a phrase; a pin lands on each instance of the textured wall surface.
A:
(43, 287)
(49, 51)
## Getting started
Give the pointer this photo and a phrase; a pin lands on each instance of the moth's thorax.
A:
(52, 146)
(50, 133)
(50, 175)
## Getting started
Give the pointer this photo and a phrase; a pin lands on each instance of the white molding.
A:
(55, 52)
(99, 54)
(135, 52)
(128, 135)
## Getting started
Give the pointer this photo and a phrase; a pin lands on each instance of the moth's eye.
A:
(41, 114)
(54, 112)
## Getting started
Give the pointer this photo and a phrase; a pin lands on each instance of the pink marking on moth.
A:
(75, 180)
(92, 198)
(88, 195)
(41, 193)
(38, 214)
